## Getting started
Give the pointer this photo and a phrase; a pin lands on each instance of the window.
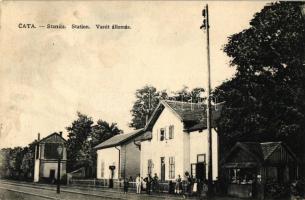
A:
(171, 132)
(162, 134)
(242, 176)
(200, 158)
(102, 169)
(50, 151)
(171, 167)
(149, 166)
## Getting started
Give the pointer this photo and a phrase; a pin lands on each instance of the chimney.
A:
(60, 133)
(38, 136)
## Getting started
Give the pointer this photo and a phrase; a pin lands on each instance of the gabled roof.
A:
(260, 151)
(119, 139)
(51, 135)
(187, 111)
(192, 114)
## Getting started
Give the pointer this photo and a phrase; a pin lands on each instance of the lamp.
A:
(59, 150)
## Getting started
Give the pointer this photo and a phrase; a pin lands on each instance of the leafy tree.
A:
(102, 131)
(187, 95)
(265, 99)
(27, 162)
(4, 162)
(78, 134)
(18, 162)
(27, 165)
(148, 97)
(11, 160)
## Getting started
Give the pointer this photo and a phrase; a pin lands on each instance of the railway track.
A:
(37, 190)
(29, 193)
(69, 192)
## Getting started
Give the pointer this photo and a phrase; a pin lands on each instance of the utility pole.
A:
(59, 151)
(206, 26)
(149, 106)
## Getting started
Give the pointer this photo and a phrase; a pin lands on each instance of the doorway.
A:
(162, 169)
(52, 175)
(200, 171)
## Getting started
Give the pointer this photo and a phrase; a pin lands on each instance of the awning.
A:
(240, 165)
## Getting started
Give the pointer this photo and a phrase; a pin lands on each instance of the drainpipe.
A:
(119, 164)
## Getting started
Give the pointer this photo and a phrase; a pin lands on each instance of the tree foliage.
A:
(78, 134)
(103, 130)
(82, 137)
(148, 97)
(265, 98)
(17, 162)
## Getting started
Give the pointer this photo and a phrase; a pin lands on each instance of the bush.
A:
(298, 188)
(277, 190)
(63, 179)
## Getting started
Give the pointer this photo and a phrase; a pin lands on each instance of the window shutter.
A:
(171, 131)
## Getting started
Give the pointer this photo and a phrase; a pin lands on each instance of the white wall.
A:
(110, 156)
(36, 170)
(36, 165)
(184, 147)
(46, 166)
(155, 149)
(199, 145)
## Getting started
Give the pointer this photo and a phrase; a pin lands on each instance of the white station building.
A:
(176, 141)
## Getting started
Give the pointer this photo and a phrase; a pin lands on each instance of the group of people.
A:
(190, 186)
(148, 183)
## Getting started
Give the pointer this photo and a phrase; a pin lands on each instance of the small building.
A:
(251, 165)
(119, 156)
(176, 141)
(46, 158)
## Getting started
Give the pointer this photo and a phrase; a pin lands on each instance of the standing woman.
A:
(178, 186)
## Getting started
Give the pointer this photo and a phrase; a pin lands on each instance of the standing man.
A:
(148, 184)
(155, 183)
(126, 185)
(138, 184)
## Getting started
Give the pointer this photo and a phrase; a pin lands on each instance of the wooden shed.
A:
(251, 165)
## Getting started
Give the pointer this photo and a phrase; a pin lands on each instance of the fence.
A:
(119, 184)
(103, 183)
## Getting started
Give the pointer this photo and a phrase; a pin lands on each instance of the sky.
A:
(46, 75)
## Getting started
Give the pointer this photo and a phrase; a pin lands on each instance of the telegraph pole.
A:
(205, 26)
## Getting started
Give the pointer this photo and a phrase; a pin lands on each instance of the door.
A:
(52, 175)
(200, 171)
(162, 169)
